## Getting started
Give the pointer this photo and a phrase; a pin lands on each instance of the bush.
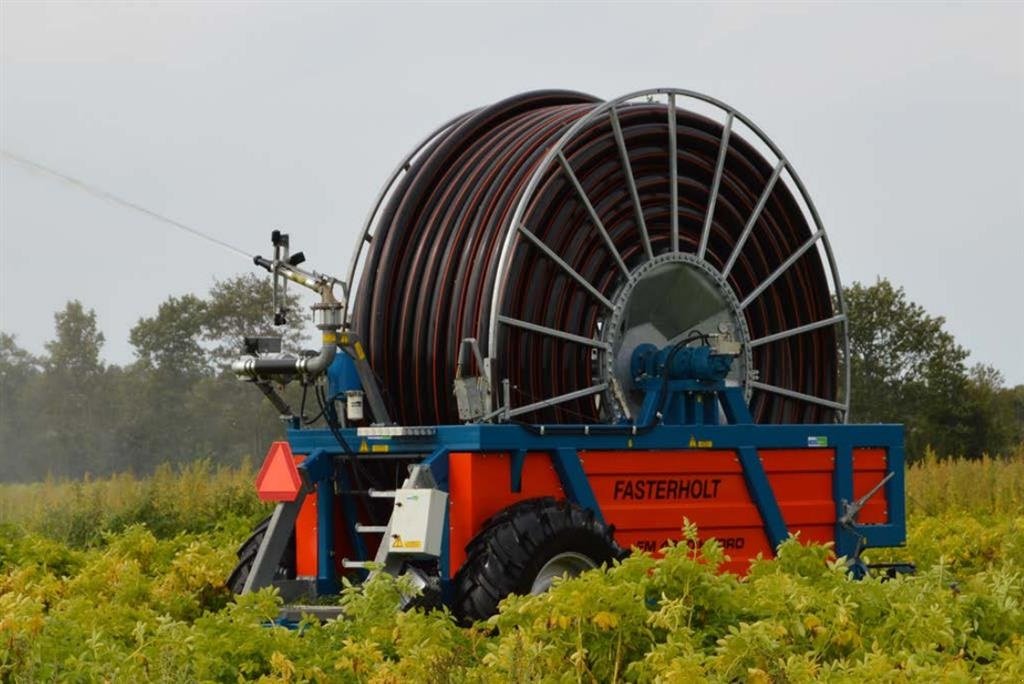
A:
(127, 597)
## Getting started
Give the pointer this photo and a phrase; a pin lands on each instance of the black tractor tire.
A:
(514, 545)
(247, 556)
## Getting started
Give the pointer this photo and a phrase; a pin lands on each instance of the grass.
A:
(193, 497)
(202, 496)
(983, 486)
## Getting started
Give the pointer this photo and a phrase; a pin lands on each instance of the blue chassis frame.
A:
(324, 452)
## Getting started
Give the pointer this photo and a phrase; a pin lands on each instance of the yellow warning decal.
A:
(363, 448)
(360, 354)
(380, 448)
(700, 443)
(403, 544)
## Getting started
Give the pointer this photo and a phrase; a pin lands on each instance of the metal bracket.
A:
(850, 510)
(316, 467)
(283, 409)
(352, 344)
(472, 392)
(268, 557)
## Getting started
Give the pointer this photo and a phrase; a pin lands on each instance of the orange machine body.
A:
(646, 495)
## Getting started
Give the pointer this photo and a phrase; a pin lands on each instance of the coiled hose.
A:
(431, 268)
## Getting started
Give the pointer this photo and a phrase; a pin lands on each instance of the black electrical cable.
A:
(318, 416)
(355, 466)
(302, 407)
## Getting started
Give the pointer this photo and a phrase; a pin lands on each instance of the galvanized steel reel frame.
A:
(782, 168)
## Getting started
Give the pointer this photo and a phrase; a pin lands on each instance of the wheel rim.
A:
(568, 564)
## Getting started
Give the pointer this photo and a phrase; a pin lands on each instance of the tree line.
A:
(65, 413)
(907, 368)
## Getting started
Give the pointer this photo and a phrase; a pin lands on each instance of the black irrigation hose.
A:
(431, 268)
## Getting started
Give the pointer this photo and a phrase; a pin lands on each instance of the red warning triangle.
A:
(279, 479)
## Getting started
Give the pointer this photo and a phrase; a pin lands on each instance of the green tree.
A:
(19, 372)
(905, 367)
(172, 339)
(991, 422)
(182, 402)
(1015, 399)
(75, 350)
(243, 306)
(72, 396)
(67, 413)
(243, 422)
(158, 425)
(17, 367)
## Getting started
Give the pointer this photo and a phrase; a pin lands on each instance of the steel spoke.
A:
(560, 399)
(753, 217)
(553, 332)
(627, 169)
(566, 267)
(593, 213)
(781, 269)
(775, 337)
(673, 171)
(793, 394)
(715, 183)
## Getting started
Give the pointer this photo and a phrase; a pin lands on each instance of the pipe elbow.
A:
(319, 363)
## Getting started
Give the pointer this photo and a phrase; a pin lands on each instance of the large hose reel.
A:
(562, 232)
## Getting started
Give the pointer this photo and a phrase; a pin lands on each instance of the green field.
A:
(120, 579)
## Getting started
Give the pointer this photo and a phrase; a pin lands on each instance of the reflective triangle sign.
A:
(279, 479)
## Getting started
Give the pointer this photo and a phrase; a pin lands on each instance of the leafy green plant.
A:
(140, 597)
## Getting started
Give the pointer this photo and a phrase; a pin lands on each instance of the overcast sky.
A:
(904, 122)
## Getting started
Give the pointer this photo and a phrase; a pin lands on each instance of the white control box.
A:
(417, 522)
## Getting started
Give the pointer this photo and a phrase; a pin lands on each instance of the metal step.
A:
(371, 529)
(346, 563)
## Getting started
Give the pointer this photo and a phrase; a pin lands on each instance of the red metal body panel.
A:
(647, 494)
(480, 485)
(305, 539)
